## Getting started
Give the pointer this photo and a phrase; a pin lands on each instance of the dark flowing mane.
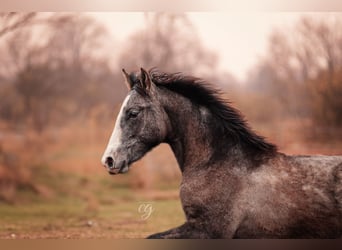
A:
(230, 119)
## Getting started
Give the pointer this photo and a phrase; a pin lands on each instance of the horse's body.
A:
(285, 197)
(234, 183)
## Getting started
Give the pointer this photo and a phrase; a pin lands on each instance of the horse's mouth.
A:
(123, 169)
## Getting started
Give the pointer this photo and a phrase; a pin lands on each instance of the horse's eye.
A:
(133, 113)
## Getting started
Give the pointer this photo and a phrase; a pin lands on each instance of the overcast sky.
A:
(240, 39)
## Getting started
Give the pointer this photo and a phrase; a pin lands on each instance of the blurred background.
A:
(61, 89)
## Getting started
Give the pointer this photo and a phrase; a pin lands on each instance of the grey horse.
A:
(235, 184)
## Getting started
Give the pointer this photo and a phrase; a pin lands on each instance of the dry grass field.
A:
(53, 186)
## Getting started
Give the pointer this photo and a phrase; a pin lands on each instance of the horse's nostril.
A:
(109, 162)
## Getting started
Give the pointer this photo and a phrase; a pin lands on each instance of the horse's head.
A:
(140, 125)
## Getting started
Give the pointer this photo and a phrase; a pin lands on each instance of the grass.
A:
(88, 206)
(72, 218)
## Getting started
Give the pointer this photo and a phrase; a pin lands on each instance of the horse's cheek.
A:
(156, 129)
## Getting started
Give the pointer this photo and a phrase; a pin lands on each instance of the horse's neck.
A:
(198, 138)
(191, 139)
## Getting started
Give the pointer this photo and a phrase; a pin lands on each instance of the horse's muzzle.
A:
(116, 167)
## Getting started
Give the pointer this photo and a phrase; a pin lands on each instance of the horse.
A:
(235, 184)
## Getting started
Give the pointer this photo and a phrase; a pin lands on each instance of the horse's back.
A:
(338, 186)
(295, 197)
(320, 170)
(316, 161)
(322, 184)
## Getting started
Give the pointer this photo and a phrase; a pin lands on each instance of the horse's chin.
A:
(124, 169)
(115, 172)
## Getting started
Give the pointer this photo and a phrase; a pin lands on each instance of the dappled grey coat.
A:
(234, 183)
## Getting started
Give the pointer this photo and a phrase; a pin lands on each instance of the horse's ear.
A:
(128, 79)
(145, 79)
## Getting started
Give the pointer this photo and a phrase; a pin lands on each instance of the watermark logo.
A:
(145, 209)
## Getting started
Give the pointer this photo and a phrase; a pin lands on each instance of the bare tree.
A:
(170, 42)
(306, 64)
(65, 74)
(10, 21)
